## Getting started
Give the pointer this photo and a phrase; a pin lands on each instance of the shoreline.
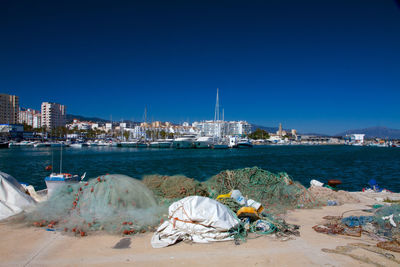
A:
(30, 246)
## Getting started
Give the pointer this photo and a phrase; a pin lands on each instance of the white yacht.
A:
(243, 143)
(203, 142)
(185, 141)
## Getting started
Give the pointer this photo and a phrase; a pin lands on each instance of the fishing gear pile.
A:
(113, 203)
(276, 192)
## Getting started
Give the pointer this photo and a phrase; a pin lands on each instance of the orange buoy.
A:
(48, 168)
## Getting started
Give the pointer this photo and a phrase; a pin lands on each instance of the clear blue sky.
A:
(317, 66)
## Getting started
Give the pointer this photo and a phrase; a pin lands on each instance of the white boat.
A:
(244, 143)
(41, 144)
(184, 141)
(203, 142)
(22, 143)
(55, 180)
(78, 145)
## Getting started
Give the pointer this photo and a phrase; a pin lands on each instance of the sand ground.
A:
(29, 246)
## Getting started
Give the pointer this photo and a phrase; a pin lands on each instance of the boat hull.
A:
(183, 144)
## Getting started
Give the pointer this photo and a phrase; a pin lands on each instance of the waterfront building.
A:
(9, 108)
(357, 139)
(30, 117)
(108, 127)
(218, 128)
(53, 115)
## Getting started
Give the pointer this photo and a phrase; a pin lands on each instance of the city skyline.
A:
(316, 67)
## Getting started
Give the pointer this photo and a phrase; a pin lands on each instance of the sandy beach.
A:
(29, 246)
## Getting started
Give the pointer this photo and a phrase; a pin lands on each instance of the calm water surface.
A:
(353, 165)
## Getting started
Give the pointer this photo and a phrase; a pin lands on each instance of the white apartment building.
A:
(53, 115)
(9, 108)
(219, 128)
(30, 117)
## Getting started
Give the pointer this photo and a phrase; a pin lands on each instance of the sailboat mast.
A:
(216, 115)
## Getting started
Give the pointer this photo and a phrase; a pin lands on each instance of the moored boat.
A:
(184, 141)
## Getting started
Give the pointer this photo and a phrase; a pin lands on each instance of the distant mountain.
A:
(379, 132)
(71, 117)
(275, 129)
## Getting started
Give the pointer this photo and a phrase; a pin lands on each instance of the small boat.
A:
(55, 180)
(244, 143)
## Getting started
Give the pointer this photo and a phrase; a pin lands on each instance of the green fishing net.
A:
(174, 187)
(113, 203)
(276, 192)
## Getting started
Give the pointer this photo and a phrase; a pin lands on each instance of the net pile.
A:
(114, 203)
(174, 187)
(276, 192)
(325, 194)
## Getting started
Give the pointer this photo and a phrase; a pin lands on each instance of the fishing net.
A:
(174, 187)
(276, 192)
(113, 203)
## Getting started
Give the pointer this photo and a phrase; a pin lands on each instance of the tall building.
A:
(53, 115)
(280, 129)
(30, 117)
(9, 107)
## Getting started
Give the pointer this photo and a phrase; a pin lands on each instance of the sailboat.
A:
(55, 180)
(218, 142)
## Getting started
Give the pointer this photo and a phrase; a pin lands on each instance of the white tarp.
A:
(195, 218)
(13, 198)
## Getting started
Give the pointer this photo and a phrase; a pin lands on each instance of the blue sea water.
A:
(354, 166)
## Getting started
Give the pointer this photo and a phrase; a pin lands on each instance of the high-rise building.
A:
(53, 115)
(30, 117)
(9, 107)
